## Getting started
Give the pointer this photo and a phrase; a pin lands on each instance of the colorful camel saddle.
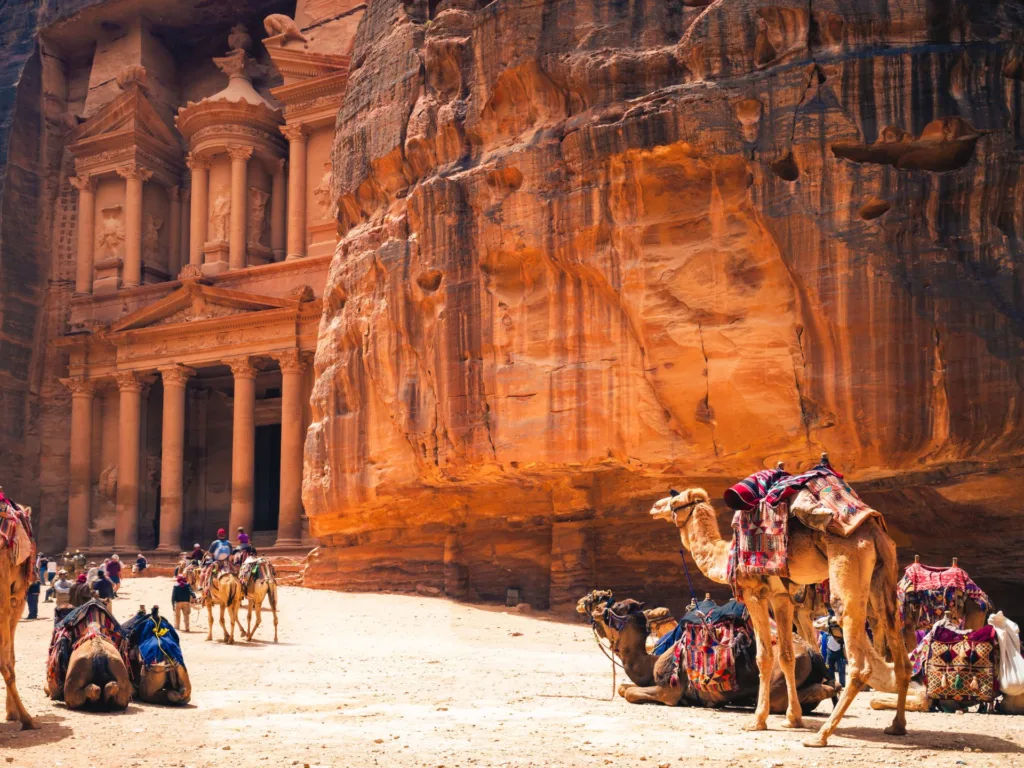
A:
(254, 568)
(212, 569)
(15, 530)
(711, 640)
(82, 623)
(936, 590)
(961, 665)
(154, 638)
(764, 503)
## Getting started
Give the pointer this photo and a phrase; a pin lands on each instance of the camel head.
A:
(617, 616)
(677, 506)
(659, 620)
(598, 599)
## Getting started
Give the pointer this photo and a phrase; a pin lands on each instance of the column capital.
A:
(80, 386)
(297, 132)
(241, 367)
(239, 153)
(197, 162)
(128, 381)
(292, 361)
(176, 375)
(134, 171)
(83, 183)
(174, 193)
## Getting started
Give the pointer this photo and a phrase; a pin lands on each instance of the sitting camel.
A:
(85, 668)
(861, 569)
(652, 675)
(226, 591)
(259, 582)
(157, 665)
(17, 556)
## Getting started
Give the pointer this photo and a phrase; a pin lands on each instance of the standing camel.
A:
(861, 569)
(17, 556)
(259, 582)
(226, 591)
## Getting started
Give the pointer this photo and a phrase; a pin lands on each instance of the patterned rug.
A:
(961, 666)
(15, 530)
(708, 647)
(937, 590)
(760, 542)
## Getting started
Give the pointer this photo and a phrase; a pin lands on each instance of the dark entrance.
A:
(267, 488)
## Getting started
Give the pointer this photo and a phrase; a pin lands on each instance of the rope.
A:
(686, 570)
(610, 656)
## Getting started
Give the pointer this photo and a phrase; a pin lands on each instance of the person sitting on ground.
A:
(220, 549)
(181, 600)
(141, 563)
(113, 569)
(32, 600)
(197, 554)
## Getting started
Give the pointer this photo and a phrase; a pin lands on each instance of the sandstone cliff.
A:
(594, 249)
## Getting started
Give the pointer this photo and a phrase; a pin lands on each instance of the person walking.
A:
(181, 600)
(836, 659)
(32, 600)
(113, 569)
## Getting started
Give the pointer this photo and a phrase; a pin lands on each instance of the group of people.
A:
(220, 550)
(103, 578)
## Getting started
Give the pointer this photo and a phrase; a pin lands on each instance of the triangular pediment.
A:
(195, 302)
(129, 115)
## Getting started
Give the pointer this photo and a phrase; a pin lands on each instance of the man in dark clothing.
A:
(32, 600)
(102, 586)
(197, 554)
(181, 600)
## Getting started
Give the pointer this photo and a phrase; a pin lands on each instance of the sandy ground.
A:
(367, 680)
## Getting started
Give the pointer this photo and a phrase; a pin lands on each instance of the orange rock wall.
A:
(595, 249)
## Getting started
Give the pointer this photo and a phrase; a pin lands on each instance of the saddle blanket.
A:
(81, 623)
(760, 542)
(937, 590)
(15, 530)
(962, 665)
(157, 643)
(708, 646)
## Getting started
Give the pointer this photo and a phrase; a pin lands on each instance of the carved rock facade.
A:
(592, 250)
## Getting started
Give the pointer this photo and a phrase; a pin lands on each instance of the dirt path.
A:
(365, 680)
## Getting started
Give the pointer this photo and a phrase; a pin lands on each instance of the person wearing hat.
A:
(62, 591)
(181, 599)
(141, 563)
(197, 554)
(220, 549)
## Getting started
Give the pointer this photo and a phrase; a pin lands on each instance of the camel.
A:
(85, 669)
(164, 678)
(259, 582)
(17, 556)
(226, 591)
(862, 571)
(651, 674)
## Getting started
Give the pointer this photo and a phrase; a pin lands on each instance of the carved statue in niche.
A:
(322, 193)
(257, 220)
(151, 235)
(220, 217)
(111, 236)
(107, 486)
(239, 39)
(285, 26)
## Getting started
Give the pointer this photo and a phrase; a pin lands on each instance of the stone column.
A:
(86, 187)
(239, 205)
(277, 213)
(243, 443)
(185, 228)
(200, 214)
(80, 475)
(135, 177)
(174, 232)
(289, 526)
(296, 135)
(172, 457)
(126, 523)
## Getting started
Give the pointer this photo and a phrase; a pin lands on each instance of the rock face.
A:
(595, 249)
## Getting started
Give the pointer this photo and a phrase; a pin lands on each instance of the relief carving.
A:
(220, 217)
(107, 487)
(322, 193)
(151, 235)
(257, 220)
(110, 240)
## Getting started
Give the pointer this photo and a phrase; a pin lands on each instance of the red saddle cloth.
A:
(961, 665)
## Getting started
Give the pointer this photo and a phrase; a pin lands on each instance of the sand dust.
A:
(389, 680)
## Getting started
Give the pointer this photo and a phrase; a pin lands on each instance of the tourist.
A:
(243, 539)
(62, 591)
(32, 600)
(141, 563)
(113, 568)
(41, 566)
(51, 570)
(220, 549)
(102, 587)
(836, 658)
(197, 554)
(181, 600)
(92, 573)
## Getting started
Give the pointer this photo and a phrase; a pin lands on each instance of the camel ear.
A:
(673, 492)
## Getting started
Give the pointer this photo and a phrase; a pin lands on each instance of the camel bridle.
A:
(675, 512)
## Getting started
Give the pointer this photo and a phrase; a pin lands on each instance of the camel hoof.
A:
(896, 730)
(755, 725)
(12, 716)
(797, 723)
(92, 692)
(29, 725)
(816, 741)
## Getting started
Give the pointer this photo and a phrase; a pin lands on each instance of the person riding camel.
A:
(220, 549)
(197, 554)
(243, 541)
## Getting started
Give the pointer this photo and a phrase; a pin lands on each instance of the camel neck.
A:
(636, 661)
(709, 550)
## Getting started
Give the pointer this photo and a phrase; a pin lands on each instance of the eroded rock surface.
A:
(595, 249)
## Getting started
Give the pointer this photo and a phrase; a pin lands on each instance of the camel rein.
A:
(682, 552)
(610, 655)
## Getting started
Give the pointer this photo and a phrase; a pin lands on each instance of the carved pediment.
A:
(195, 302)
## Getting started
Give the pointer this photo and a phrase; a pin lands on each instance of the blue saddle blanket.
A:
(156, 644)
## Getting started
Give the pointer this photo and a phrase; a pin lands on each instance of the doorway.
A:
(267, 485)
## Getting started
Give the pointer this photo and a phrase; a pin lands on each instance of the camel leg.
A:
(850, 578)
(900, 659)
(259, 615)
(758, 610)
(209, 624)
(652, 694)
(273, 609)
(14, 704)
(783, 607)
(227, 639)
